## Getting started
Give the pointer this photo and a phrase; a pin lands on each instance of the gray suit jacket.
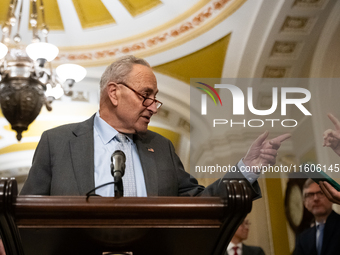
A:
(63, 164)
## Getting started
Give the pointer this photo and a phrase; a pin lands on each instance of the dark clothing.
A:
(306, 241)
(252, 250)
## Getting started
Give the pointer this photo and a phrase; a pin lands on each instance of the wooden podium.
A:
(46, 225)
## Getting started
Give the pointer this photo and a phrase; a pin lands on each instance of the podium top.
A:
(77, 212)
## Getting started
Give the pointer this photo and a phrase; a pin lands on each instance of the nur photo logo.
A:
(243, 103)
(204, 97)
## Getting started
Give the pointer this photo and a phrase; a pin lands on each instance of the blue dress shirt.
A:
(104, 146)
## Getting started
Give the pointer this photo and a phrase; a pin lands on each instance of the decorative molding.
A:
(163, 113)
(275, 72)
(296, 31)
(194, 25)
(298, 24)
(182, 123)
(284, 48)
(309, 3)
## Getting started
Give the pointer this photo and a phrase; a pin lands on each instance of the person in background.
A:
(236, 245)
(323, 237)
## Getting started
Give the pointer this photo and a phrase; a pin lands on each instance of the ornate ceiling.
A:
(93, 32)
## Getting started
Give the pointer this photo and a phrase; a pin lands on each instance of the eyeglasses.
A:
(147, 100)
(311, 195)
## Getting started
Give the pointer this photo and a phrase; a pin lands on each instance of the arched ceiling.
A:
(93, 32)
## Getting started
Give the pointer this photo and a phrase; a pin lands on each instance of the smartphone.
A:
(322, 176)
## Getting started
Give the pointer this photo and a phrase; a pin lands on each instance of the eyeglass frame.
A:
(154, 100)
(311, 195)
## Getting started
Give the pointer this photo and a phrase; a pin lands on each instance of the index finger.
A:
(335, 121)
(283, 137)
(259, 141)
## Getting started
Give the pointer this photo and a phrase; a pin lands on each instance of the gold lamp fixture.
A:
(26, 84)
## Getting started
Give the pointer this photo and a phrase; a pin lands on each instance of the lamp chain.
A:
(34, 21)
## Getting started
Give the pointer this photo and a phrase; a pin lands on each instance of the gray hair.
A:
(119, 70)
(306, 185)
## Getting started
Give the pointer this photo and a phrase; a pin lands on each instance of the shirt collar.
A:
(318, 223)
(231, 245)
(104, 130)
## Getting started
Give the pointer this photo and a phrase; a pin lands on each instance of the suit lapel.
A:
(82, 154)
(148, 165)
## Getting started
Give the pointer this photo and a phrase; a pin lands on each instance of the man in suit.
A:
(323, 238)
(75, 158)
(236, 245)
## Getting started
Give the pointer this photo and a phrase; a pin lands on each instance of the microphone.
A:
(118, 165)
(117, 171)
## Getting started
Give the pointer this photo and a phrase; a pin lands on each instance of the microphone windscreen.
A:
(118, 153)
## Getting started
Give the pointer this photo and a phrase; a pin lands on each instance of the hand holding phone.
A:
(323, 177)
(331, 193)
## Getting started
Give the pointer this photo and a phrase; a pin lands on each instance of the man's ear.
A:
(111, 89)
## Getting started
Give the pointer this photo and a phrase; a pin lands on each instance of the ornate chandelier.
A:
(26, 84)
